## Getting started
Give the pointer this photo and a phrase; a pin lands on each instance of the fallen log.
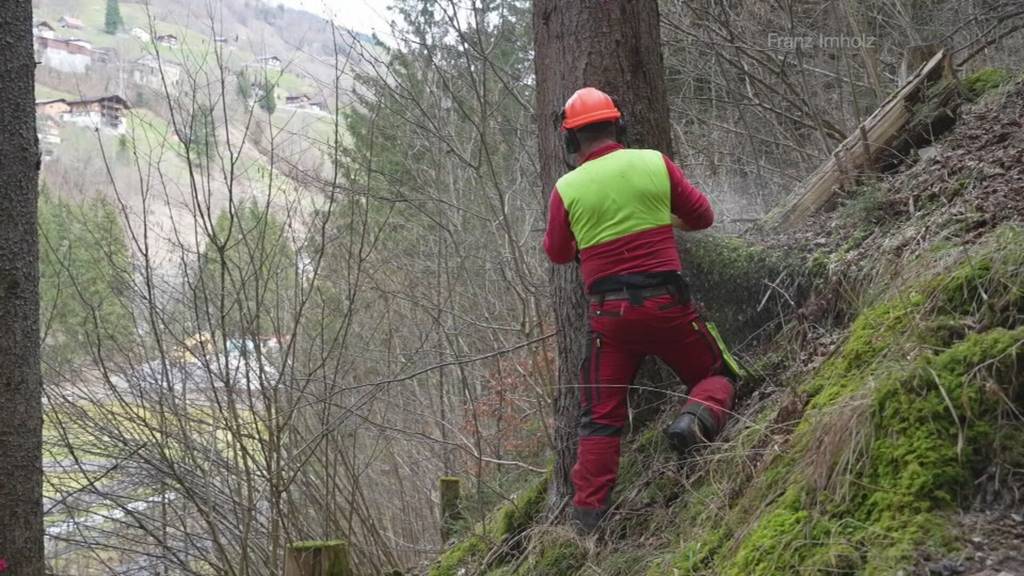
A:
(921, 110)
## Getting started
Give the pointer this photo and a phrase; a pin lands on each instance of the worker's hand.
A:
(679, 223)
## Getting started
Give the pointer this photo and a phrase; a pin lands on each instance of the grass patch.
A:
(555, 553)
(983, 81)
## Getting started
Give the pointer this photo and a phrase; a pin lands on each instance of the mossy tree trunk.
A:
(614, 46)
(742, 285)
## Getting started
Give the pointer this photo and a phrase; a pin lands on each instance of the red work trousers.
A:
(621, 335)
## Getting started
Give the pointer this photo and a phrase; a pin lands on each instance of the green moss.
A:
(557, 554)
(983, 81)
(1008, 449)
(818, 264)
(693, 557)
(921, 463)
(472, 548)
(916, 362)
(516, 516)
(875, 332)
(508, 521)
(775, 547)
(988, 288)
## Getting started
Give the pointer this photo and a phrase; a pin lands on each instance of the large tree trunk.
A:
(614, 46)
(21, 521)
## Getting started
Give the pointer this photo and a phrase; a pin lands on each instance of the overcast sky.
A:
(360, 15)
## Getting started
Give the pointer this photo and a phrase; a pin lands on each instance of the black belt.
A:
(635, 294)
(640, 286)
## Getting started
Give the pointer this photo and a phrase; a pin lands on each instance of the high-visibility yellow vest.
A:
(620, 193)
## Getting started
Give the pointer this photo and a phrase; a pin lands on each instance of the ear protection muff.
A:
(571, 141)
(620, 124)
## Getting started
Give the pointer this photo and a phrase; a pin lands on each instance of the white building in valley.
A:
(105, 113)
(71, 56)
(44, 29)
(150, 72)
(168, 40)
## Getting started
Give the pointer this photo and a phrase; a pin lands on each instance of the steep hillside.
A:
(198, 75)
(883, 433)
(304, 42)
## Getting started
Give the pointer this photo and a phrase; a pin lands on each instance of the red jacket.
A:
(651, 250)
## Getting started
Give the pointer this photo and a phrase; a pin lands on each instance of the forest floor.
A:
(884, 431)
(991, 544)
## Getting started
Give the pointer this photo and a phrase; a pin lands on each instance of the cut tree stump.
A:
(451, 508)
(921, 110)
(318, 559)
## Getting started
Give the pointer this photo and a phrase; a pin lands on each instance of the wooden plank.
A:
(906, 119)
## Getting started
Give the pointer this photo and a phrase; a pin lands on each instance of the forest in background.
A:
(316, 343)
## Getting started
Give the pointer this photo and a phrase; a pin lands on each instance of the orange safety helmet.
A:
(589, 106)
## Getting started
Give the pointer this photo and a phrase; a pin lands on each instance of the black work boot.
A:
(586, 520)
(693, 428)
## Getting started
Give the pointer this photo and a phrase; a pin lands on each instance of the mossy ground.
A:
(502, 529)
(983, 81)
(900, 424)
(855, 467)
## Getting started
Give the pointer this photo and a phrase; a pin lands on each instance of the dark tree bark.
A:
(21, 518)
(613, 45)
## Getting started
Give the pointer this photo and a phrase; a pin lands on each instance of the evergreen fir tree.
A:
(113, 21)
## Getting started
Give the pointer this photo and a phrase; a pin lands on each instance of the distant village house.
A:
(269, 62)
(305, 102)
(168, 40)
(72, 56)
(106, 113)
(44, 29)
(53, 109)
(150, 72)
(71, 23)
(105, 55)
